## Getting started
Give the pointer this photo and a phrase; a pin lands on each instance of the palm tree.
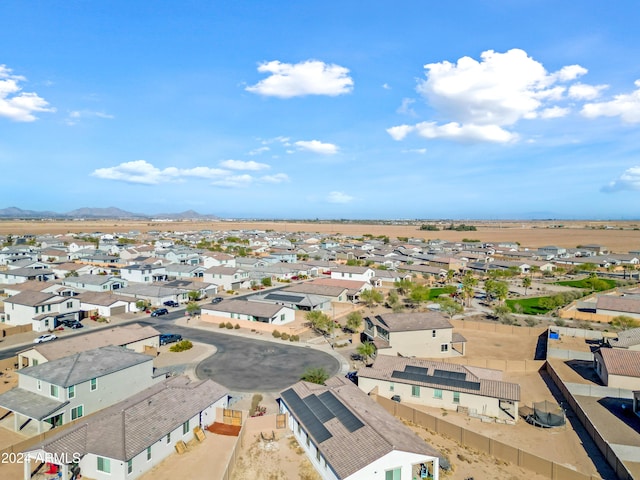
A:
(468, 284)
(526, 283)
(315, 375)
(367, 350)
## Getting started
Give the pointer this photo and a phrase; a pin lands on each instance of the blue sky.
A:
(333, 109)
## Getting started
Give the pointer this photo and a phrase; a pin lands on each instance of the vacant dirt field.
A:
(529, 234)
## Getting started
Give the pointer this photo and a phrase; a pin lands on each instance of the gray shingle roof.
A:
(127, 428)
(626, 338)
(84, 366)
(256, 309)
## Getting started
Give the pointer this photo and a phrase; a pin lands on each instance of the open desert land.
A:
(619, 237)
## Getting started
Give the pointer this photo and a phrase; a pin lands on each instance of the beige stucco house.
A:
(618, 368)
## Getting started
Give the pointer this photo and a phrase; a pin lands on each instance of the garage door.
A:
(118, 310)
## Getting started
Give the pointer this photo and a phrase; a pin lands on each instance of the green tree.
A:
(371, 296)
(315, 375)
(192, 308)
(526, 283)
(367, 350)
(469, 283)
(320, 322)
(354, 321)
(266, 282)
(450, 275)
(449, 306)
(501, 312)
(624, 322)
(193, 295)
(419, 294)
(403, 286)
(142, 304)
(496, 289)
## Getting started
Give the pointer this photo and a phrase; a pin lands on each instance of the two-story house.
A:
(421, 334)
(62, 390)
(144, 273)
(95, 283)
(40, 309)
(228, 278)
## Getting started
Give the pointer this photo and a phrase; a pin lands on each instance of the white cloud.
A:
(258, 151)
(234, 181)
(317, 146)
(241, 165)
(405, 107)
(481, 99)
(582, 91)
(277, 178)
(143, 172)
(312, 77)
(386, 86)
(421, 151)
(626, 106)
(554, 112)
(76, 115)
(629, 180)
(400, 132)
(15, 104)
(339, 197)
(465, 133)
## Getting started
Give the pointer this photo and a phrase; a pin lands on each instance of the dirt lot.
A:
(529, 234)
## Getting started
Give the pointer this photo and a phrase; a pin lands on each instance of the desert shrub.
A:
(236, 326)
(276, 334)
(285, 336)
(255, 403)
(229, 325)
(294, 338)
(222, 325)
(181, 346)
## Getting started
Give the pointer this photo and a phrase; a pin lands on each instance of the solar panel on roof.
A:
(318, 408)
(444, 381)
(413, 369)
(447, 374)
(284, 298)
(346, 417)
(306, 416)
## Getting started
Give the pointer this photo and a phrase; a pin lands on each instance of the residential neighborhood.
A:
(409, 326)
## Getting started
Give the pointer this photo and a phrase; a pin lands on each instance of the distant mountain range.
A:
(99, 213)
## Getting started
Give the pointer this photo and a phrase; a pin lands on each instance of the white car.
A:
(45, 338)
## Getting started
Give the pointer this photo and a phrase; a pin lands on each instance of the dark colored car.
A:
(74, 325)
(169, 338)
(217, 300)
(171, 303)
(159, 311)
(353, 376)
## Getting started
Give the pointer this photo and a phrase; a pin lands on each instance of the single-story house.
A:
(252, 311)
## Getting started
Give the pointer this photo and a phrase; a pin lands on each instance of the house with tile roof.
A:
(95, 283)
(272, 313)
(126, 440)
(228, 278)
(346, 435)
(61, 390)
(419, 334)
(480, 391)
(618, 368)
(614, 305)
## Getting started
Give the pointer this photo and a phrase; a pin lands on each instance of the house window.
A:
(46, 322)
(185, 427)
(53, 390)
(433, 333)
(71, 392)
(391, 386)
(437, 393)
(444, 347)
(35, 362)
(104, 465)
(94, 385)
(77, 412)
(169, 437)
(38, 383)
(48, 308)
(282, 317)
(130, 466)
(148, 453)
(69, 304)
(456, 397)
(394, 474)
(415, 390)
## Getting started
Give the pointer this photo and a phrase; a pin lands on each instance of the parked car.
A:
(353, 376)
(396, 398)
(74, 325)
(169, 338)
(45, 338)
(357, 357)
(159, 311)
(171, 303)
(217, 300)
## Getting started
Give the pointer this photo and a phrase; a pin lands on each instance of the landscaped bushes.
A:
(181, 346)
